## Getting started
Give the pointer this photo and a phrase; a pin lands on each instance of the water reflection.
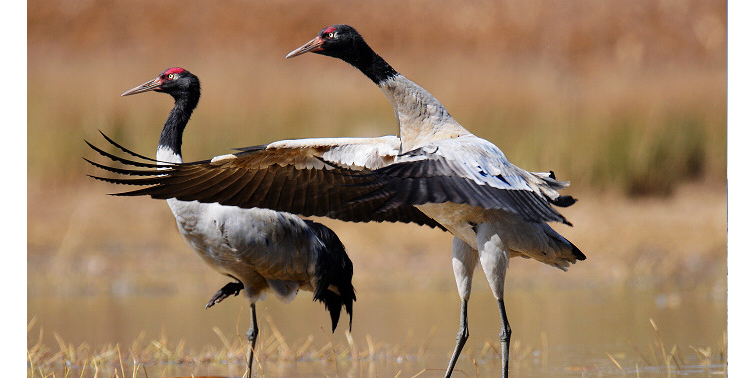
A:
(561, 333)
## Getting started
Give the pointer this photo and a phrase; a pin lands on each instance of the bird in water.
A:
(262, 250)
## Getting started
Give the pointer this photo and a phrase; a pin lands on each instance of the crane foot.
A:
(232, 288)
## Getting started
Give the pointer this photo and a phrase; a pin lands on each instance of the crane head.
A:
(338, 41)
(172, 80)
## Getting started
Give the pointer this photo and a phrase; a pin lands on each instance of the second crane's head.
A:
(175, 81)
(338, 41)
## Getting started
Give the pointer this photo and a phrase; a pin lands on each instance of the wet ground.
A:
(95, 281)
(561, 333)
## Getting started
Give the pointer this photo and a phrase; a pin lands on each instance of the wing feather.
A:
(467, 170)
(289, 176)
(352, 179)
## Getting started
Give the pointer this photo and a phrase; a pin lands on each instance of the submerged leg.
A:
(252, 336)
(495, 260)
(464, 262)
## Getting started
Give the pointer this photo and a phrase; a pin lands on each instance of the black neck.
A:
(370, 63)
(172, 134)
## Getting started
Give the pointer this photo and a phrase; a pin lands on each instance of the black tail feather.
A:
(333, 268)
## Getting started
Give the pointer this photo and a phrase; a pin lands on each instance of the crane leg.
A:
(464, 262)
(252, 336)
(461, 339)
(505, 337)
(495, 260)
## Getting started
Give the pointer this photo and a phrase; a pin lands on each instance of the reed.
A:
(671, 360)
(662, 358)
(85, 360)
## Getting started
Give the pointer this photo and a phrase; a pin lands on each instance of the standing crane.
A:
(263, 250)
(494, 209)
(437, 173)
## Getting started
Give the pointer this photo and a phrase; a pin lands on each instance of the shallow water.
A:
(563, 333)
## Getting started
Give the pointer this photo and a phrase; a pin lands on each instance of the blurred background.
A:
(627, 100)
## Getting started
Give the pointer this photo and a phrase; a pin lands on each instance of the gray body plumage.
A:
(438, 149)
(264, 249)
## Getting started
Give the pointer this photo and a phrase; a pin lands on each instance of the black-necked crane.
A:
(494, 209)
(263, 250)
(437, 173)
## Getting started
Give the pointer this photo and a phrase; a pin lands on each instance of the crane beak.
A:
(314, 45)
(148, 86)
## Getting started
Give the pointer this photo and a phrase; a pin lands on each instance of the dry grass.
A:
(660, 359)
(142, 355)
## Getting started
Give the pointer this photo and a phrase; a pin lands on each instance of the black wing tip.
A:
(577, 253)
(138, 192)
(108, 180)
(564, 201)
(104, 179)
(120, 147)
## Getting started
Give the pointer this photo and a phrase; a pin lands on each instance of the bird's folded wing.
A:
(467, 170)
(309, 177)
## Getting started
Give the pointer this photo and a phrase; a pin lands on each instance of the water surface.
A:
(565, 333)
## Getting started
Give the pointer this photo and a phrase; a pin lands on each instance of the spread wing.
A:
(468, 170)
(309, 177)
